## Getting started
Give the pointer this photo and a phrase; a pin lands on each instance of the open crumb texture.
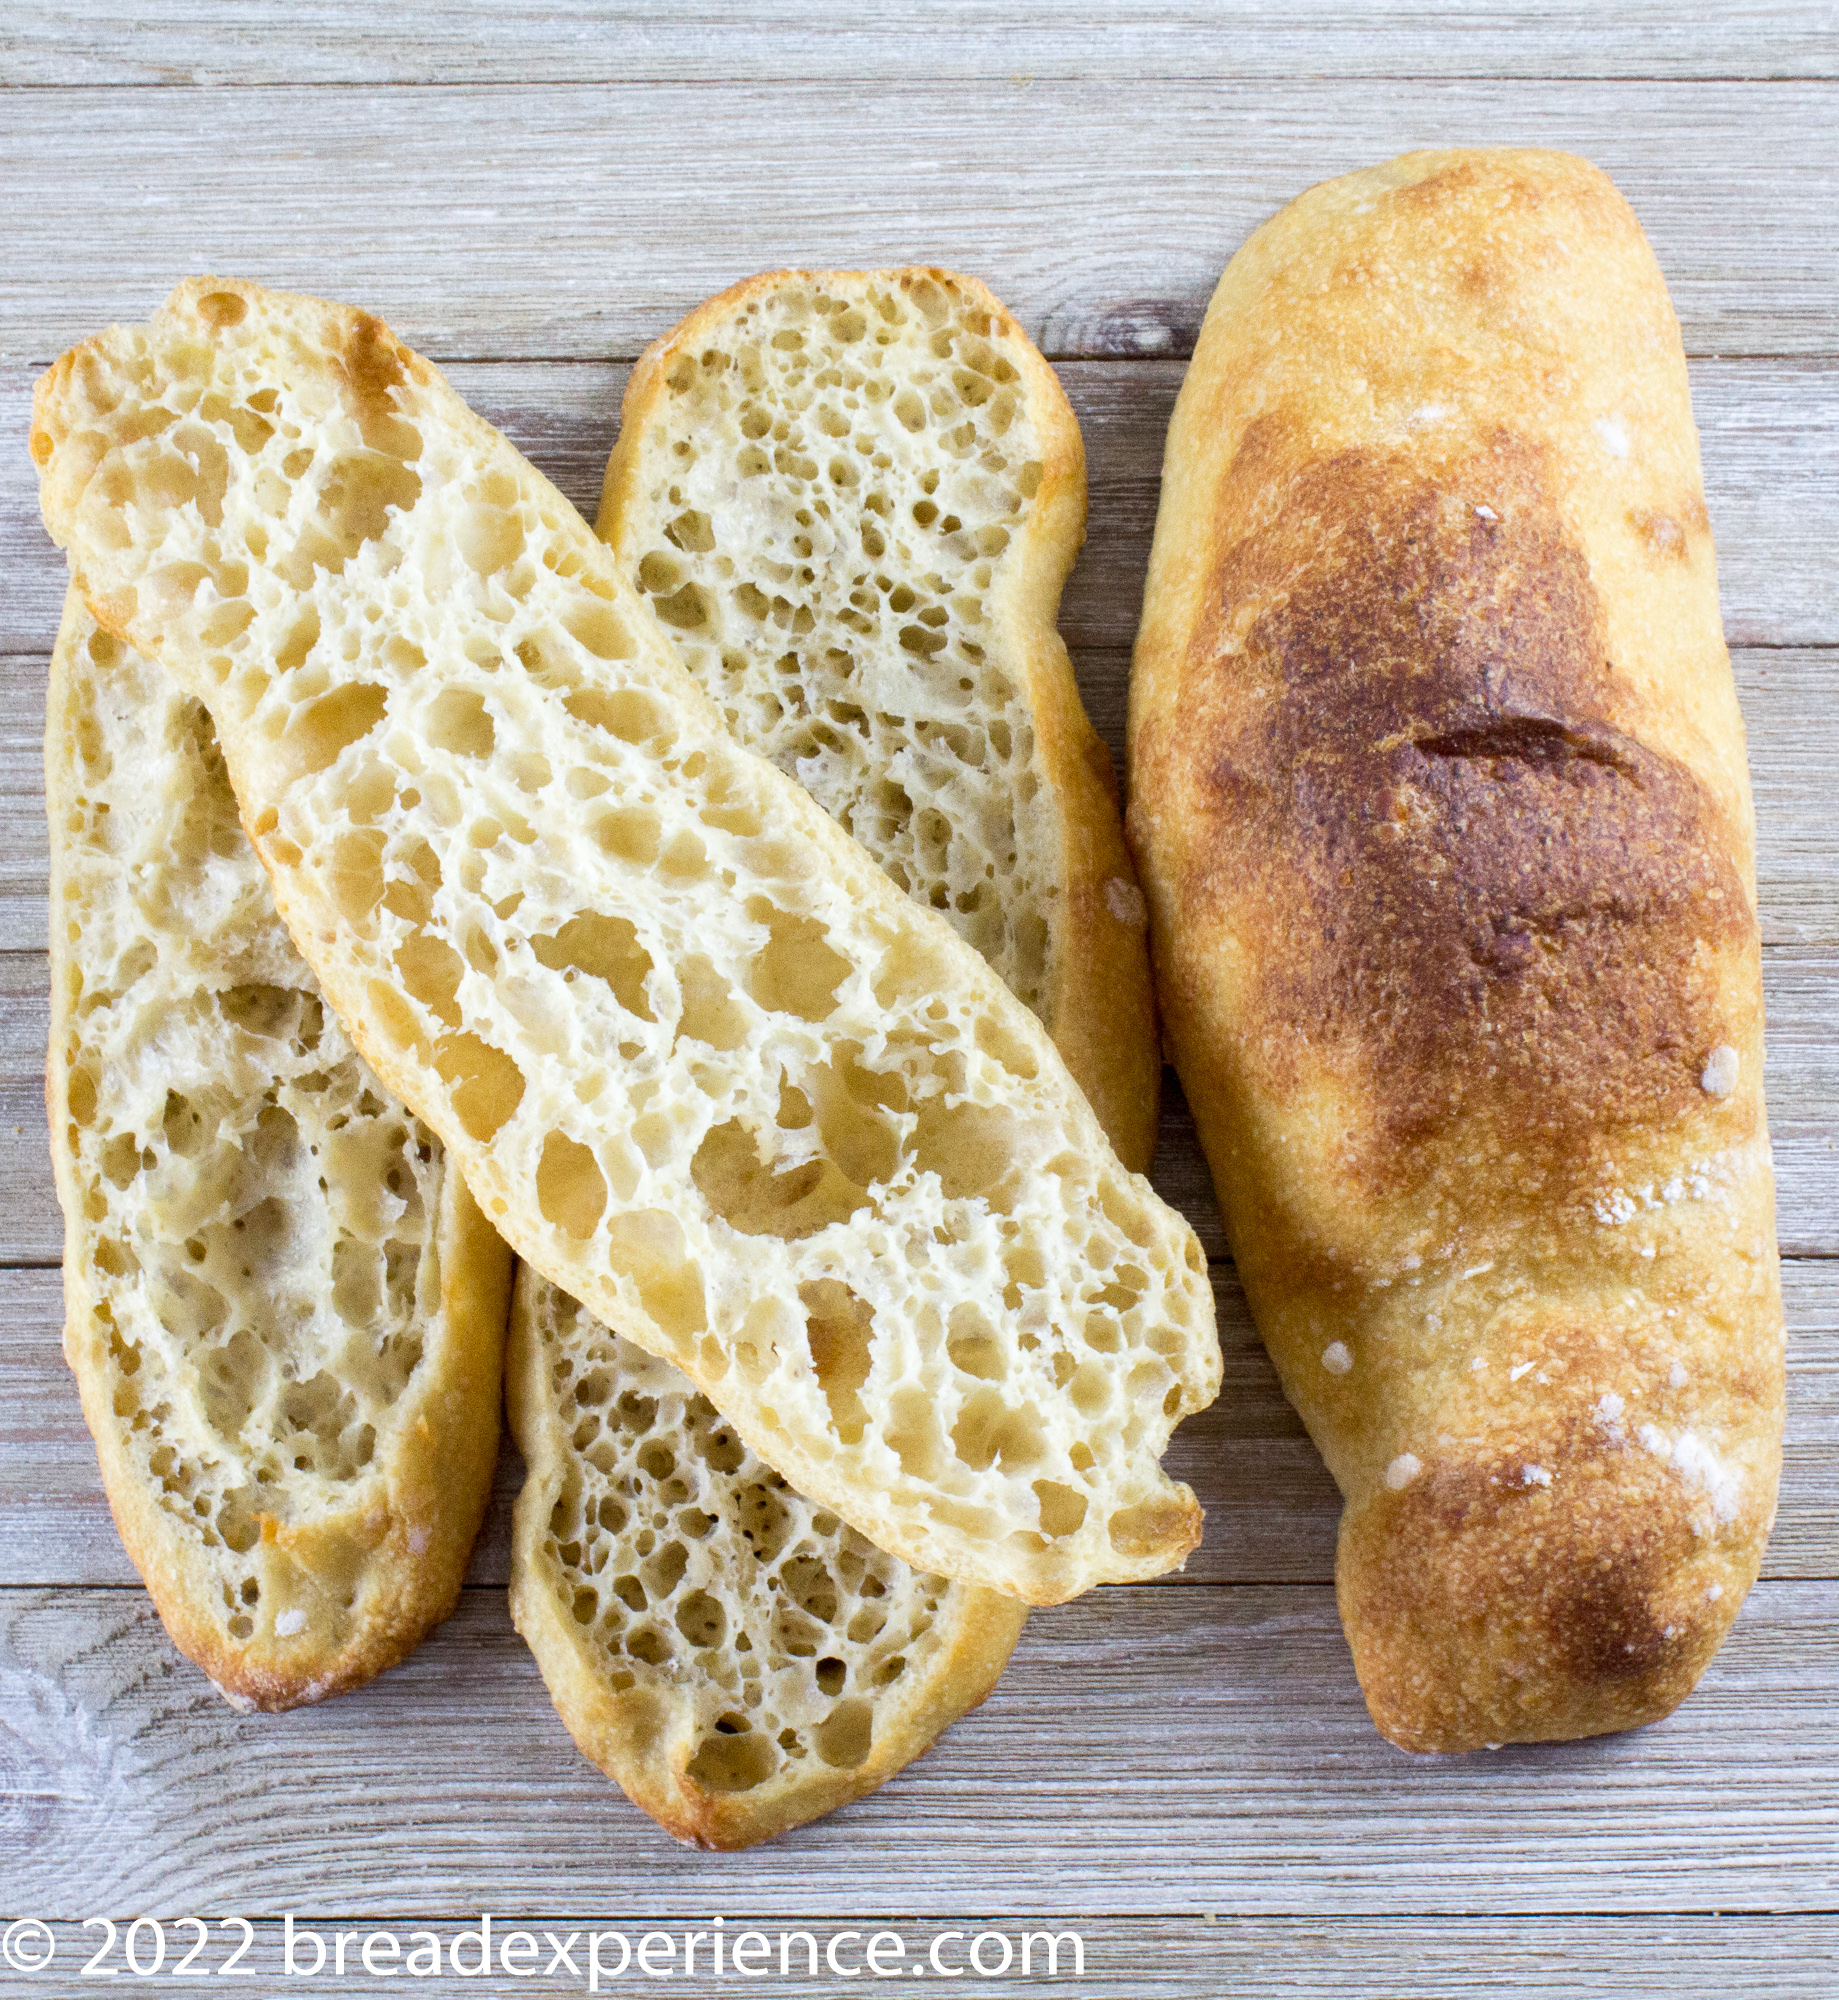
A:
(853, 498)
(701, 1062)
(739, 1659)
(284, 1311)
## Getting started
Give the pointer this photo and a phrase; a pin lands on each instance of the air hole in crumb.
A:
(795, 972)
(570, 1188)
(222, 309)
(751, 1195)
(458, 721)
(732, 1763)
(844, 1736)
(604, 948)
(486, 1086)
(324, 728)
(839, 1335)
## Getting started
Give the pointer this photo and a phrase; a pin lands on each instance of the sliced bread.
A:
(853, 498)
(738, 1659)
(701, 1061)
(284, 1313)
(813, 612)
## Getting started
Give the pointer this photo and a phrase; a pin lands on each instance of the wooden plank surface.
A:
(1147, 1749)
(205, 42)
(1790, 701)
(1734, 1955)
(582, 220)
(1802, 1084)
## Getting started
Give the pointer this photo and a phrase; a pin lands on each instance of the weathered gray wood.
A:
(207, 42)
(1771, 441)
(1769, 429)
(1736, 1957)
(583, 219)
(23, 835)
(31, 1231)
(1191, 1747)
(1147, 1750)
(1271, 1506)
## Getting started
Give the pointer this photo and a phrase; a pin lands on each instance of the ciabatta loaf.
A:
(1440, 800)
(737, 1658)
(700, 1060)
(853, 498)
(284, 1312)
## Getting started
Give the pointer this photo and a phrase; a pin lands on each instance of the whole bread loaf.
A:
(853, 498)
(1440, 800)
(701, 1062)
(284, 1313)
(738, 1659)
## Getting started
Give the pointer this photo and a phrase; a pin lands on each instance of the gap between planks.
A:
(1736, 1955)
(1799, 983)
(1769, 436)
(1102, 216)
(1788, 696)
(1146, 1749)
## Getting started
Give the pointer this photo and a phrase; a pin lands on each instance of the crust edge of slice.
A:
(1102, 1014)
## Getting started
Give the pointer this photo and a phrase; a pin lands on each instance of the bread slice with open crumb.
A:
(739, 1659)
(284, 1312)
(811, 607)
(853, 498)
(701, 1062)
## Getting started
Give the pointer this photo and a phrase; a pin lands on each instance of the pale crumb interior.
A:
(257, 1228)
(822, 510)
(770, 1627)
(700, 1061)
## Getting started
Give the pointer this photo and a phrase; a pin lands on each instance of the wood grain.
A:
(204, 42)
(584, 219)
(1148, 1749)
(1271, 1507)
(1771, 445)
(1803, 1088)
(1735, 1956)
(1769, 432)
(1790, 700)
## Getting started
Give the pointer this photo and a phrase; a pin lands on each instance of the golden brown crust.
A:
(382, 1566)
(1100, 1010)
(1440, 800)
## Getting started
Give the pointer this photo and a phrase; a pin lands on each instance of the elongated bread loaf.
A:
(1440, 801)
(853, 498)
(701, 1062)
(738, 1659)
(285, 1314)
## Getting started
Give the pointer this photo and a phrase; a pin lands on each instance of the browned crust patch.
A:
(1549, 1587)
(1474, 895)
